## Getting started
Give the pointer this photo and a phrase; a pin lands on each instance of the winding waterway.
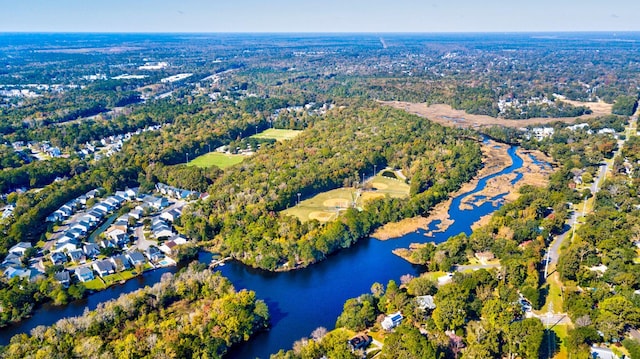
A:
(302, 300)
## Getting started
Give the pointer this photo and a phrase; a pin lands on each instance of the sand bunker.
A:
(321, 216)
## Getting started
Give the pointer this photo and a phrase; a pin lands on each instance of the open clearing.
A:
(326, 206)
(222, 160)
(447, 116)
(277, 134)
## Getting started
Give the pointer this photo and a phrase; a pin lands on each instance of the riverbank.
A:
(535, 171)
(495, 158)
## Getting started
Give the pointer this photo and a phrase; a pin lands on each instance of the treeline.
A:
(242, 212)
(477, 315)
(19, 297)
(39, 173)
(545, 110)
(195, 314)
(625, 105)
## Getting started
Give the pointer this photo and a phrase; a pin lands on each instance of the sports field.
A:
(222, 160)
(326, 206)
(277, 134)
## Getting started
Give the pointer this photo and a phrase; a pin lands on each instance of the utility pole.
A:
(362, 179)
(187, 155)
(298, 199)
(374, 170)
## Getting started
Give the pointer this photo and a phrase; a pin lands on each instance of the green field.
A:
(277, 134)
(221, 160)
(327, 205)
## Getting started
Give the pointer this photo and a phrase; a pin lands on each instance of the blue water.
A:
(302, 300)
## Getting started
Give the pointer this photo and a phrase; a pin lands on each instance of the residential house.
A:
(63, 278)
(103, 267)
(168, 247)
(360, 341)
(91, 250)
(103, 207)
(121, 223)
(13, 272)
(136, 213)
(178, 239)
(95, 215)
(116, 234)
(120, 262)
(131, 193)
(75, 233)
(58, 258)
(20, 248)
(84, 274)
(156, 203)
(136, 258)
(171, 215)
(391, 321)
(108, 243)
(12, 259)
(154, 254)
(66, 246)
(77, 256)
(83, 226)
(425, 302)
(162, 232)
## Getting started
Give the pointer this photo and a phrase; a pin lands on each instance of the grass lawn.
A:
(117, 277)
(325, 206)
(95, 284)
(278, 134)
(554, 296)
(221, 160)
(561, 333)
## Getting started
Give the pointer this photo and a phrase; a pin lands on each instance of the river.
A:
(302, 300)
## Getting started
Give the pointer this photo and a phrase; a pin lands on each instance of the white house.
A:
(425, 302)
(391, 321)
(20, 248)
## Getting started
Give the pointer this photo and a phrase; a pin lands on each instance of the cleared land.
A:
(447, 116)
(277, 134)
(326, 206)
(222, 160)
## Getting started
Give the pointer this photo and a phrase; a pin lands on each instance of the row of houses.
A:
(177, 193)
(108, 266)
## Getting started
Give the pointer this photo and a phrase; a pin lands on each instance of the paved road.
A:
(143, 243)
(554, 247)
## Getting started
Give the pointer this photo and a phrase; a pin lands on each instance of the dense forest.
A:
(195, 314)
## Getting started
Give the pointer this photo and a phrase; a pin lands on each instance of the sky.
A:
(318, 16)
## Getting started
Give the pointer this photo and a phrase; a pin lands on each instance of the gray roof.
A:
(62, 276)
(104, 265)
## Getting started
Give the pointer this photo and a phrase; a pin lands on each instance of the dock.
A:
(218, 262)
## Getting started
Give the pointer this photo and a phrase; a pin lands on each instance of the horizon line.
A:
(329, 32)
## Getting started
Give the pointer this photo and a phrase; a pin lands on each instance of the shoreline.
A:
(495, 159)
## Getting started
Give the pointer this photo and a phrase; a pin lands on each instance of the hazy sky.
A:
(318, 16)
